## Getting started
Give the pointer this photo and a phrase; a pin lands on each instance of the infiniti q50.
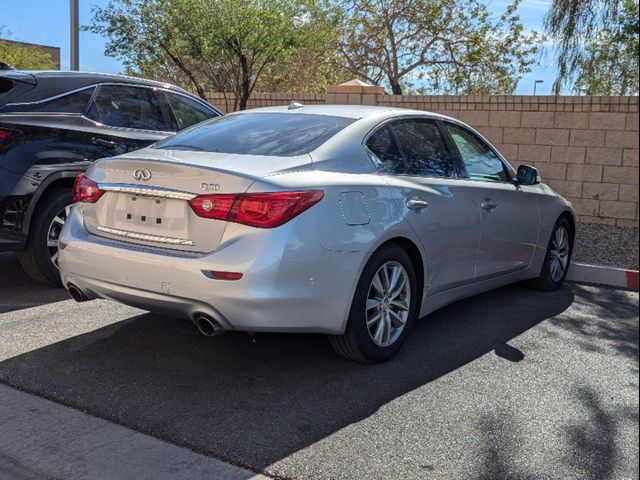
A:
(350, 221)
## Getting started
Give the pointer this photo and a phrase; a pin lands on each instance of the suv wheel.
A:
(40, 257)
(383, 308)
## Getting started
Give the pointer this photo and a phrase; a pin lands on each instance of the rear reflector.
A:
(85, 190)
(222, 275)
(260, 210)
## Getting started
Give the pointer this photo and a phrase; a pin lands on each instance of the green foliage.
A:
(597, 45)
(450, 46)
(225, 45)
(22, 56)
(609, 65)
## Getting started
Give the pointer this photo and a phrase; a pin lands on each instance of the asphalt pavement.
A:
(512, 384)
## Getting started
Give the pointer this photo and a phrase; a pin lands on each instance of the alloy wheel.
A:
(388, 304)
(559, 255)
(53, 233)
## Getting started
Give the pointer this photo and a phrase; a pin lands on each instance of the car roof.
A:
(93, 77)
(349, 111)
(49, 83)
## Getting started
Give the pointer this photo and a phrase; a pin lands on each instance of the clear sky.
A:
(47, 22)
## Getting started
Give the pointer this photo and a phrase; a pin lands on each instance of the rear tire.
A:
(557, 260)
(39, 257)
(383, 308)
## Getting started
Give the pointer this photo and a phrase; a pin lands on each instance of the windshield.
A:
(276, 134)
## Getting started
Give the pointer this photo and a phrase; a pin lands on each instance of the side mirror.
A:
(528, 175)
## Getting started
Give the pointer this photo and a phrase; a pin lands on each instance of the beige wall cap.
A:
(355, 86)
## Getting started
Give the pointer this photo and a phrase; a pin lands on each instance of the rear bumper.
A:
(290, 283)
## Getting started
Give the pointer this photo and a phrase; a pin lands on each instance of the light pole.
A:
(535, 85)
(74, 63)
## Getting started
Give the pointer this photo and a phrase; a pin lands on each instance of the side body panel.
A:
(46, 150)
(448, 229)
(509, 231)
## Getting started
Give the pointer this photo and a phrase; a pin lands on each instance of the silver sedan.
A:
(346, 220)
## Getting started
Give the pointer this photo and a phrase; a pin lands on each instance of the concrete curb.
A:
(614, 277)
(44, 440)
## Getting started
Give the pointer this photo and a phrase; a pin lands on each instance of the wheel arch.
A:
(570, 217)
(415, 254)
(63, 179)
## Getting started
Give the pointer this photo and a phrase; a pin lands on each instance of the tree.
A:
(23, 56)
(314, 66)
(597, 44)
(445, 45)
(227, 45)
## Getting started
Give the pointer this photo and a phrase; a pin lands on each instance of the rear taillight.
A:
(86, 190)
(6, 134)
(213, 206)
(261, 210)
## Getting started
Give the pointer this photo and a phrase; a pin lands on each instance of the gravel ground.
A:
(607, 245)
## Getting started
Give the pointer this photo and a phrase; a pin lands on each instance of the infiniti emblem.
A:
(142, 174)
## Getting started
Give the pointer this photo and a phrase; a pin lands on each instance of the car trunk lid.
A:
(146, 199)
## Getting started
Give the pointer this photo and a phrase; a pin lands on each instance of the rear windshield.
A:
(278, 134)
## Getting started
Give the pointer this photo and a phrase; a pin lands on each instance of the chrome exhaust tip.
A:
(208, 326)
(76, 293)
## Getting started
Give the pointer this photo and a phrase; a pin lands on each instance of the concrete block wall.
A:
(585, 147)
(258, 100)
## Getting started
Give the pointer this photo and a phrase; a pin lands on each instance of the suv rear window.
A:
(278, 134)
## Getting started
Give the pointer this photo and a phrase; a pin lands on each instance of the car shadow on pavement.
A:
(18, 290)
(255, 399)
(610, 335)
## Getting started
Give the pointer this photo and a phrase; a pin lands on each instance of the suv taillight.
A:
(261, 210)
(6, 134)
(86, 190)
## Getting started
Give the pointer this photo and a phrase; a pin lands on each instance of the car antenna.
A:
(294, 105)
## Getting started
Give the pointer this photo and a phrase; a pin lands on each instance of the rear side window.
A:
(424, 148)
(6, 85)
(480, 161)
(128, 107)
(280, 134)
(385, 151)
(75, 102)
(187, 111)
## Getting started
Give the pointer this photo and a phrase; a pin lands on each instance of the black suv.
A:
(52, 126)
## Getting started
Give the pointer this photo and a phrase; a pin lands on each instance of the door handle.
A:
(488, 204)
(417, 204)
(102, 143)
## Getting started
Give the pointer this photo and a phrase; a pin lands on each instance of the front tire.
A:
(383, 308)
(40, 257)
(558, 258)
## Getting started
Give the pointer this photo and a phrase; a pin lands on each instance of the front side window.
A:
(279, 134)
(128, 107)
(480, 161)
(385, 151)
(424, 148)
(187, 111)
(75, 102)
